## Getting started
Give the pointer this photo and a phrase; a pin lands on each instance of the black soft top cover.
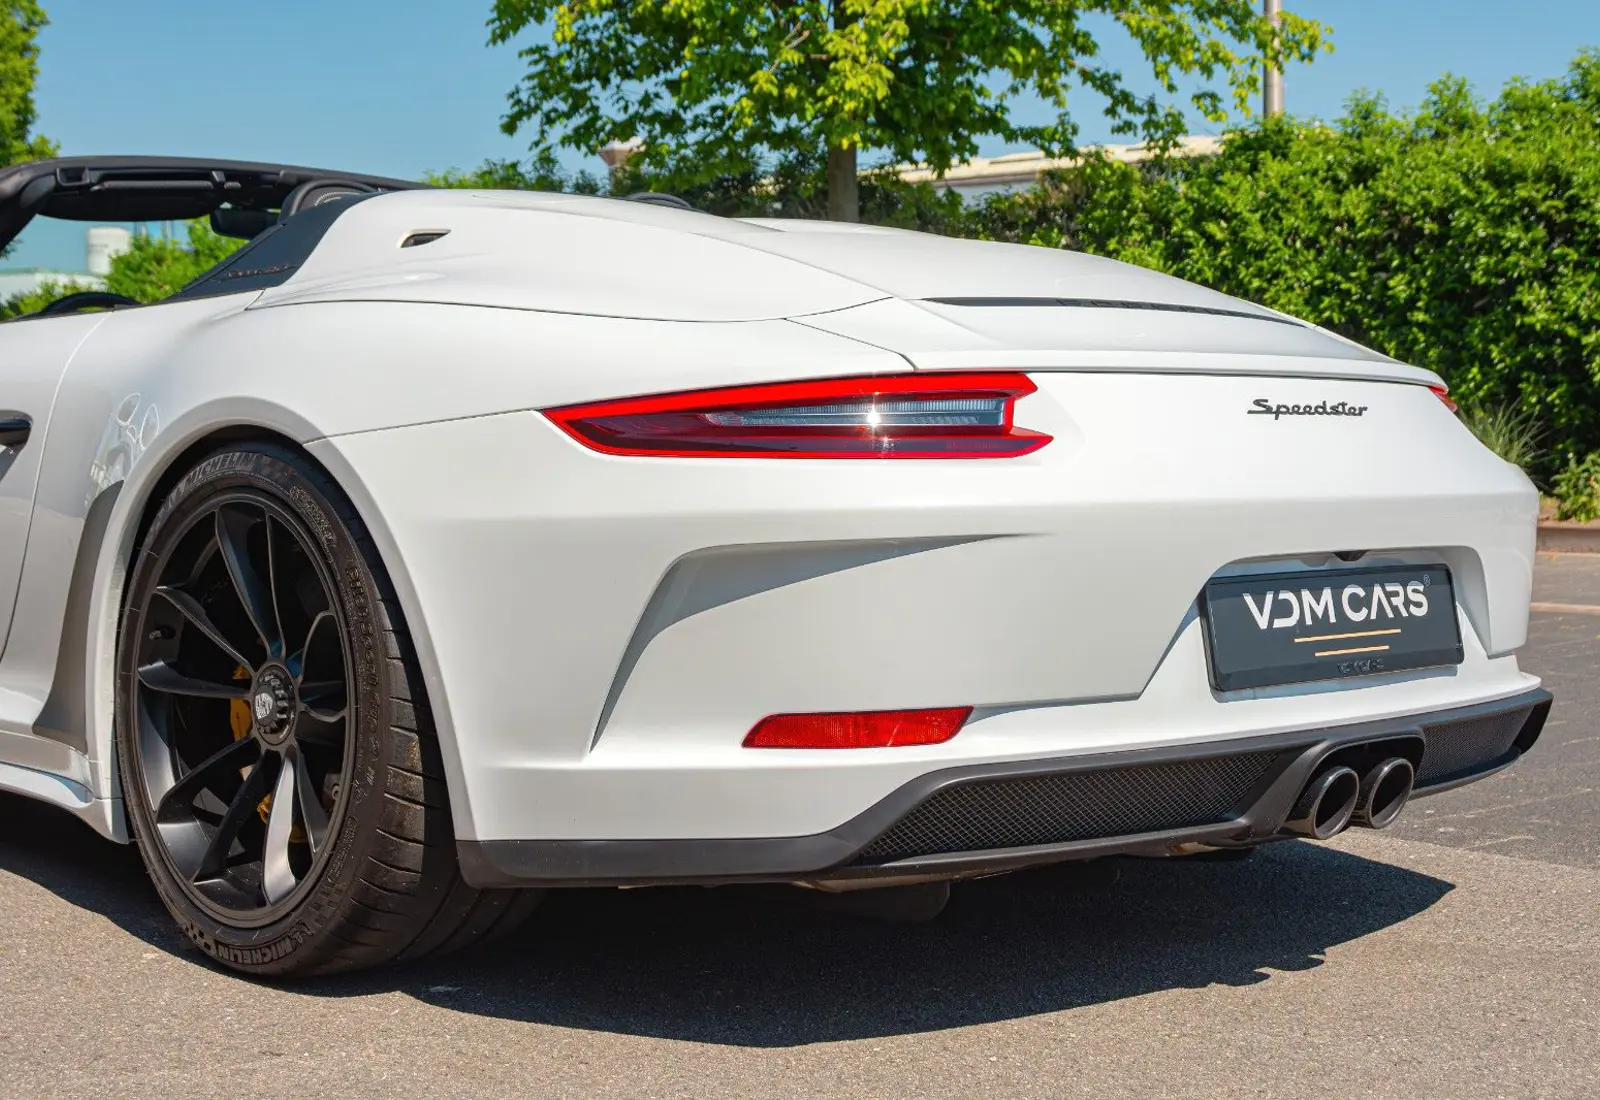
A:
(139, 189)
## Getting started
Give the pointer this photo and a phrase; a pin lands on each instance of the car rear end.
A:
(818, 553)
(1191, 594)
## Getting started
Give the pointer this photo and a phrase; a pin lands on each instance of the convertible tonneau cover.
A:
(134, 189)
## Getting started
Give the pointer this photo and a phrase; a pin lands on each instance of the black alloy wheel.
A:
(243, 707)
(280, 770)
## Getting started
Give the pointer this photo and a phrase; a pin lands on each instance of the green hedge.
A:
(1464, 238)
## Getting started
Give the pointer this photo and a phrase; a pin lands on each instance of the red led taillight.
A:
(966, 415)
(1443, 394)
(870, 729)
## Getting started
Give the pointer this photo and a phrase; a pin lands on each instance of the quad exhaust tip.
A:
(1385, 789)
(1337, 798)
(1327, 804)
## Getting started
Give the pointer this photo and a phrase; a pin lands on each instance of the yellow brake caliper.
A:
(239, 710)
(239, 721)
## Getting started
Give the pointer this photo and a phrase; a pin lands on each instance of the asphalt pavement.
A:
(1451, 956)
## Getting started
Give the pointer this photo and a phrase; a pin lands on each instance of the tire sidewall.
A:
(279, 945)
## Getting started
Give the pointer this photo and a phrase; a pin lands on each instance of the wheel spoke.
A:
(277, 877)
(324, 700)
(191, 610)
(233, 529)
(240, 810)
(161, 676)
(318, 732)
(296, 662)
(272, 588)
(175, 803)
(312, 816)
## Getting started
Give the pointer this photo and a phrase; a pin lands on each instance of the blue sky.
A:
(401, 87)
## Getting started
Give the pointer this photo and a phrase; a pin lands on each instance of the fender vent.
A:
(417, 239)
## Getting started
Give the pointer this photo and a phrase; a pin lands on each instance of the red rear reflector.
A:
(1443, 394)
(872, 729)
(967, 415)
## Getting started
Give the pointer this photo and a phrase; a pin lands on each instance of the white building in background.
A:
(102, 243)
(26, 281)
(1020, 171)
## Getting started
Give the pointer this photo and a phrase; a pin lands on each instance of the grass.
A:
(1512, 433)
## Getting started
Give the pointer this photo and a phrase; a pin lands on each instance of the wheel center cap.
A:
(272, 704)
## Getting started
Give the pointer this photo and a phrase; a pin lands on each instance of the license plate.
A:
(1292, 628)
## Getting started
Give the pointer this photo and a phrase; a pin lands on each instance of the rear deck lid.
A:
(958, 304)
(1100, 334)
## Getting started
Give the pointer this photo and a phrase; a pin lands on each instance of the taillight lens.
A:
(965, 415)
(871, 729)
(1443, 394)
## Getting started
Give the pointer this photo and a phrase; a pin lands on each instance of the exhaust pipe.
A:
(1384, 791)
(1324, 807)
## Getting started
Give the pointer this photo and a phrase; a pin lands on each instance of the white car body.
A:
(599, 633)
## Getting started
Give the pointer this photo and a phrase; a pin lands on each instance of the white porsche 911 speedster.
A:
(441, 547)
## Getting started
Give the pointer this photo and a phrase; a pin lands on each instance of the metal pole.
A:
(1272, 76)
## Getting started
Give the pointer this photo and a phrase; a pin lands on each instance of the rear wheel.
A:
(280, 769)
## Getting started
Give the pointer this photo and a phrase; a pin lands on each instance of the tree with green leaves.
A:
(542, 173)
(20, 23)
(153, 268)
(714, 87)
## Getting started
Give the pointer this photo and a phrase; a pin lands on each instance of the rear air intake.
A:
(984, 815)
(1456, 749)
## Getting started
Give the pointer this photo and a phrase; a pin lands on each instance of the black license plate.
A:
(1292, 628)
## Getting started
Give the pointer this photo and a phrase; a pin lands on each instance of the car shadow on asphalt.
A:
(775, 967)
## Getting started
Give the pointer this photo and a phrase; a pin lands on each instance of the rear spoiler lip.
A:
(1250, 314)
(1221, 364)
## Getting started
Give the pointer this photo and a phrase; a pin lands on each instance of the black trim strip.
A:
(141, 189)
(1106, 303)
(273, 257)
(512, 863)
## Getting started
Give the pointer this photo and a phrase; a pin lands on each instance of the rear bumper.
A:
(993, 817)
(599, 634)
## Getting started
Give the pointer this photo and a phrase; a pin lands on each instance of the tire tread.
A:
(435, 926)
